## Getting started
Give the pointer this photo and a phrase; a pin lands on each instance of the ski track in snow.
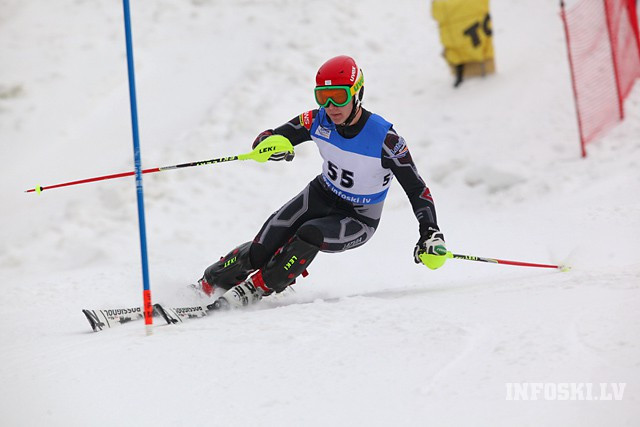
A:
(369, 338)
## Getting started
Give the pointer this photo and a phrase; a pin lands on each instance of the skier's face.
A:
(338, 115)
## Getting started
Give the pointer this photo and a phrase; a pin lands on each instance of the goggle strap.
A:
(357, 85)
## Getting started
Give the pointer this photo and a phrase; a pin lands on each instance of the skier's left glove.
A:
(431, 249)
(275, 157)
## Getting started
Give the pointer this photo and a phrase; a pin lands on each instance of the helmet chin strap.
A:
(354, 112)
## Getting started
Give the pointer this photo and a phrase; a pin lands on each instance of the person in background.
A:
(466, 36)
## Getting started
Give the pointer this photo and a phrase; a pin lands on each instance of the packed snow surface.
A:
(369, 338)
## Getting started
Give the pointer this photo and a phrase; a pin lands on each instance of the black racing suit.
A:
(317, 219)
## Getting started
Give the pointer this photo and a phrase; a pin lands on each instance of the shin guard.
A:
(287, 264)
(230, 269)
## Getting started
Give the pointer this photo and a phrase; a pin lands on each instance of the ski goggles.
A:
(337, 95)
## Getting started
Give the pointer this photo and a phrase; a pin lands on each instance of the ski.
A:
(109, 318)
(175, 315)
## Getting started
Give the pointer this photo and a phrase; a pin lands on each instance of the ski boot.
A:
(227, 272)
(279, 273)
(246, 293)
(203, 289)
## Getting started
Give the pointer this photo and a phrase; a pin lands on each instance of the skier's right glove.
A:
(276, 157)
(430, 249)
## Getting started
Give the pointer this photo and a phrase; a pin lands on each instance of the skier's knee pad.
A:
(231, 269)
(293, 259)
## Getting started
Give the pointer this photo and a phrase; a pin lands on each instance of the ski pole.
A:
(507, 262)
(262, 152)
(449, 254)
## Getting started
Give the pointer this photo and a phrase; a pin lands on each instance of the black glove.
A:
(282, 156)
(431, 242)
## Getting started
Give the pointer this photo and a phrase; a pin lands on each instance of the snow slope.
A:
(369, 338)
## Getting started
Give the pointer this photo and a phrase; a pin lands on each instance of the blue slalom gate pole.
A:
(146, 292)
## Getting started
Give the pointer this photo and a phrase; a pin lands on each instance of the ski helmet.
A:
(342, 71)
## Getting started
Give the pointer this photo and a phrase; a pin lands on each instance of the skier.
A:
(339, 209)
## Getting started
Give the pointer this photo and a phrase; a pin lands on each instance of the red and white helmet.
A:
(342, 71)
